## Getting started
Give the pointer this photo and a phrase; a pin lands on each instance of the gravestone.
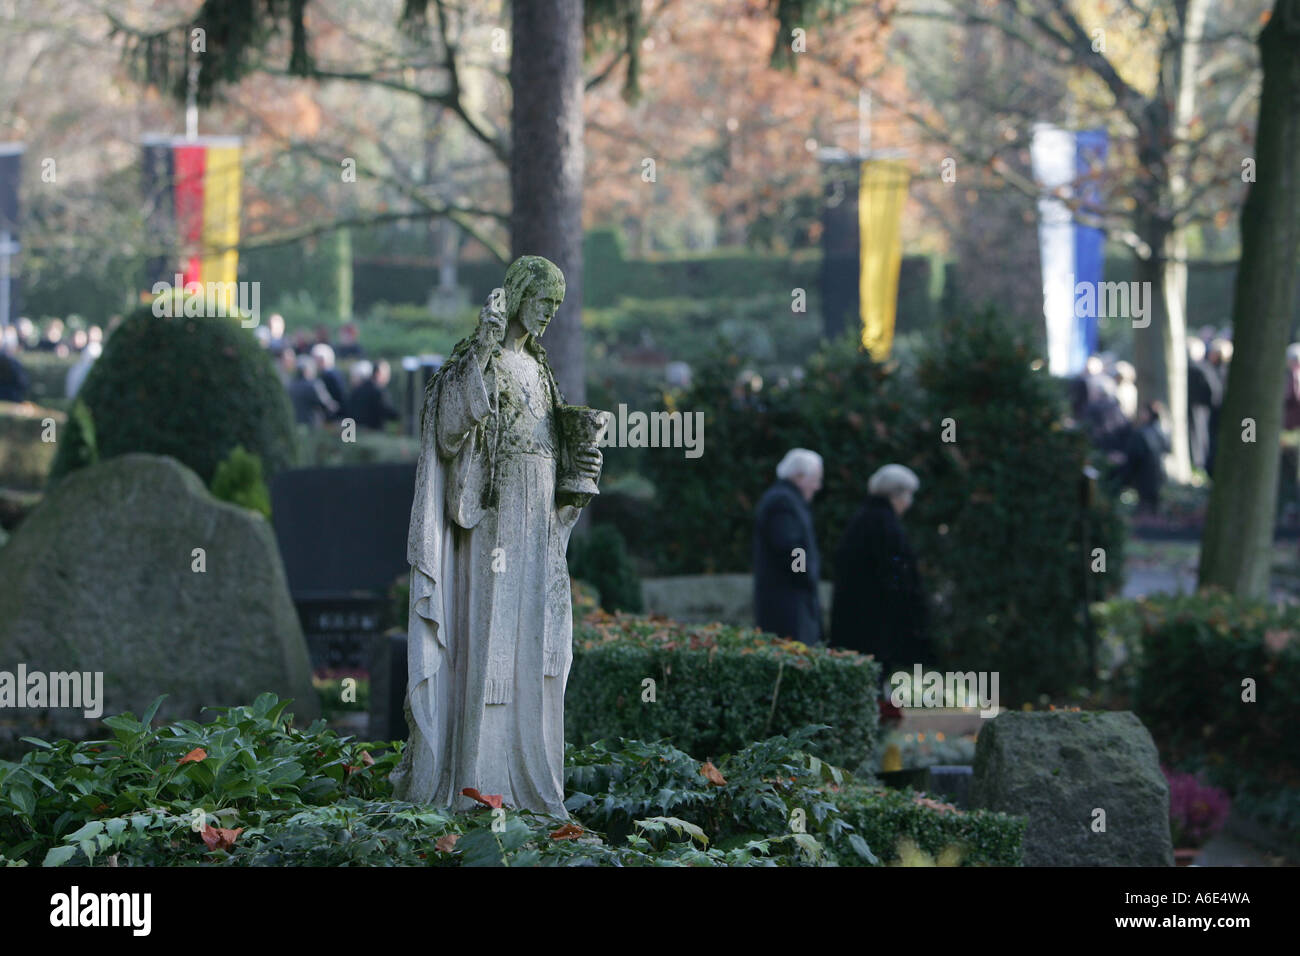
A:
(104, 576)
(952, 783)
(1060, 768)
(342, 534)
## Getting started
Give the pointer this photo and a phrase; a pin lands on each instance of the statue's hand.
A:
(589, 462)
(491, 329)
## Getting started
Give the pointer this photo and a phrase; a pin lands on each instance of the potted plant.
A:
(1197, 811)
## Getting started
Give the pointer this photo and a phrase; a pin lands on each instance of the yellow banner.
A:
(221, 181)
(882, 190)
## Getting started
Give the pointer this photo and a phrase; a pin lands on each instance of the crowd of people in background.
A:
(318, 392)
(1135, 436)
(307, 363)
(70, 340)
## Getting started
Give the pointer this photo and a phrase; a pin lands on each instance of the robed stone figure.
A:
(490, 639)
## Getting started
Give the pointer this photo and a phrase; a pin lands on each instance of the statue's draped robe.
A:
(491, 629)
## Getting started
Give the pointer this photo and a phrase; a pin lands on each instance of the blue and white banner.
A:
(1067, 166)
(11, 155)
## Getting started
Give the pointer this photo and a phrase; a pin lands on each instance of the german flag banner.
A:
(191, 193)
(882, 191)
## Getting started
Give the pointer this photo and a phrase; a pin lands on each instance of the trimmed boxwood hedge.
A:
(716, 688)
(192, 387)
(886, 818)
(1189, 655)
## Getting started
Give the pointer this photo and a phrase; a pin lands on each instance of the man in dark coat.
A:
(787, 564)
(13, 378)
(368, 403)
(1203, 394)
(879, 606)
(1146, 445)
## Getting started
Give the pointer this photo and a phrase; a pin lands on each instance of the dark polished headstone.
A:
(342, 536)
(952, 783)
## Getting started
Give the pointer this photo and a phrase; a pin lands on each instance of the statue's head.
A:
(534, 290)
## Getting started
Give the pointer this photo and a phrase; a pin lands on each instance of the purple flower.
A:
(1197, 810)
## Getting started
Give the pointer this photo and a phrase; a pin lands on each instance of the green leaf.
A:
(115, 827)
(152, 709)
(38, 742)
(88, 848)
(59, 855)
(23, 799)
(88, 830)
(41, 777)
(861, 848)
(679, 826)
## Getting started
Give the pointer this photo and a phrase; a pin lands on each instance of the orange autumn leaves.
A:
(712, 774)
(214, 838)
(218, 839)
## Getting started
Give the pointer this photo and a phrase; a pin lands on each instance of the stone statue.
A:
(505, 469)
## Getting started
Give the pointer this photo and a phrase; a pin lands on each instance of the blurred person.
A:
(1290, 461)
(312, 404)
(80, 339)
(286, 366)
(349, 346)
(322, 334)
(1097, 407)
(329, 376)
(277, 343)
(1204, 392)
(368, 403)
(1146, 444)
(77, 374)
(1126, 392)
(879, 605)
(1220, 356)
(302, 342)
(52, 340)
(787, 564)
(14, 380)
(95, 334)
(28, 335)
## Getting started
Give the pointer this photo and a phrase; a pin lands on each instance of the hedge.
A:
(890, 820)
(1188, 656)
(716, 688)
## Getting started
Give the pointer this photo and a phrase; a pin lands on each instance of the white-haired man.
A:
(879, 605)
(787, 564)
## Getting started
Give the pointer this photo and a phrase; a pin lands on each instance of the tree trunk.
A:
(1237, 549)
(546, 165)
(1160, 350)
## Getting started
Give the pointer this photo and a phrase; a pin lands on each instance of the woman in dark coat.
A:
(879, 605)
